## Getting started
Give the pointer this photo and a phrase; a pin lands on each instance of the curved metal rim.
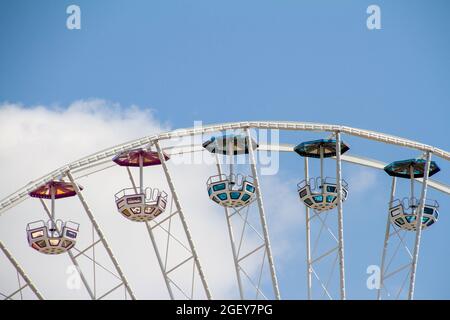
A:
(21, 194)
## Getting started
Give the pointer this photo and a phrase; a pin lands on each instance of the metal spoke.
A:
(423, 196)
(100, 235)
(22, 273)
(183, 220)
(262, 214)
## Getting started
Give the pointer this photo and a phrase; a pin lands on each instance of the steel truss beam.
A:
(73, 257)
(236, 246)
(83, 253)
(262, 215)
(101, 237)
(386, 239)
(387, 261)
(308, 239)
(338, 249)
(423, 196)
(22, 273)
(318, 258)
(149, 228)
(183, 221)
(340, 216)
(400, 235)
(233, 246)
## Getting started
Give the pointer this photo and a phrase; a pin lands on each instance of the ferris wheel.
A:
(236, 189)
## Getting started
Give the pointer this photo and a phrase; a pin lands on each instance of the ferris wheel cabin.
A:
(55, 236)
(232, 190)
(139, 204)
(320, 194)
(404, 213)
(52, 238)
(143, 206)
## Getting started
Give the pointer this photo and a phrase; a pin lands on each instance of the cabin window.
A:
(250, 188)
(318, 199)
(219, 187)
(235, 195)
(222, 196)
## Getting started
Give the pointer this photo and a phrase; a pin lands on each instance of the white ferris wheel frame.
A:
(102, 160)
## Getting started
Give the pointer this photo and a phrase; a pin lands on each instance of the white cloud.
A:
(361, 180)
(36, 140)
(286, 214)
(39, 139)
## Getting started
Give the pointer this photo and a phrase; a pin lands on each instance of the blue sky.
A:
(225, 61)
(220, 61)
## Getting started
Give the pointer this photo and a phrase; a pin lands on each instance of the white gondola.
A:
(55, 236)
(321, 196)
(141, 206)
(403, 213)
(52, 238)
(232, 190)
